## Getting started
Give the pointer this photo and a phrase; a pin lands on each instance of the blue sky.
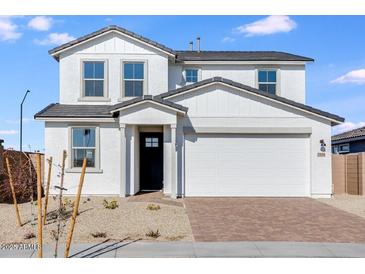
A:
(335, 82)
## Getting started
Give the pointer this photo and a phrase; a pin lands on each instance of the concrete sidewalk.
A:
(136, 249)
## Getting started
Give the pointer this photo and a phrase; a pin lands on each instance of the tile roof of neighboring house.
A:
(110, 28)
(252, 90)
(147, 98)
(239, 56)
(74, 111)
(355, 133)
(191, 55)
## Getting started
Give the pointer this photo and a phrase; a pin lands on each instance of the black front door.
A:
(151, 161)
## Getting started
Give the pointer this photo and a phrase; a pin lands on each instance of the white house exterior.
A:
(189, 123)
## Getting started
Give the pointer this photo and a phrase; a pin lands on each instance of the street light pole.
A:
(21, 120)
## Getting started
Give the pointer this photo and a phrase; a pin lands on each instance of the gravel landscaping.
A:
(351, 203)
(131, 219)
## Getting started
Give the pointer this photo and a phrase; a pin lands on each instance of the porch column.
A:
(173, 162)
(123, 159)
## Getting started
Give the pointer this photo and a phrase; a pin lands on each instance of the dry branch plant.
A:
(24, 178)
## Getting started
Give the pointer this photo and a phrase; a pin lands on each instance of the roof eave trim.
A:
(149, 101)
(228, 62)
(91, 118)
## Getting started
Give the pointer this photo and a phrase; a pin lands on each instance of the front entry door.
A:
(151, 161)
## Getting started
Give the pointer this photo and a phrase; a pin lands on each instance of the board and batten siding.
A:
(290, 78)
(222, 107)
(114, 49)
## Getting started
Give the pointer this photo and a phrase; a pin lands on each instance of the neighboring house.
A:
(349, 142)
(189, 123)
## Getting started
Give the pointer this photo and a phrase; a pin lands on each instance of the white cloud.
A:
(8, 30)
(25, 120)
(347, 126)
(228, 40)
(55, 39)
(354, 76)
(41, 23)
(8, 132)
(269, 25)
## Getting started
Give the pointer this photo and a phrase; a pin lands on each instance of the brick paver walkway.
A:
(272, 219)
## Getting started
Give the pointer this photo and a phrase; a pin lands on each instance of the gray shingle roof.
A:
(239, 56)
(148, 98)
(97, 111)
(109, 28)
(74, 111)
(193, 55)
(355, 133)
(252, 90)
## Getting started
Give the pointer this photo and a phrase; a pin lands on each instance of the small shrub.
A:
(99, 235)
(153, 207)
(110, 205)
(153, 234)
(29, 235)
(68, 203)
(54, 234)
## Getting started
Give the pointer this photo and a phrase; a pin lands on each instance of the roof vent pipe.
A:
(191, 45)
(198, 43)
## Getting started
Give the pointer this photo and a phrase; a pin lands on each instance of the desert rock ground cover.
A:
(351, 203)
(131, 219)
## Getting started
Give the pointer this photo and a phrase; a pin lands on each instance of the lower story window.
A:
(83, 146)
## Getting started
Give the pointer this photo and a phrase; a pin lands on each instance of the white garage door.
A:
(246, 165)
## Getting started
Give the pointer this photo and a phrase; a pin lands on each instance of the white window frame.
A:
(71, 168)
(191, 68)
(343, 151)
(145, 77)
(105, 96)
(277, 84)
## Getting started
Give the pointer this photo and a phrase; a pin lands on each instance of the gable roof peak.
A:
(55, 51)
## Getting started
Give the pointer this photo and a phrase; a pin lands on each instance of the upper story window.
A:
(94, 78)
(267, 81)
(83, 146)
(133, 79)
(191, 76)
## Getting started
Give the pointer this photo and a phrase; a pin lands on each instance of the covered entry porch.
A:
(149, 146)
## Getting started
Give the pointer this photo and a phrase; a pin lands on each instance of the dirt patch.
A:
(129, 219)
(350, 203)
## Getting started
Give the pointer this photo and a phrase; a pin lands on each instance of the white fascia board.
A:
(244, 62)
(145, 102)
(66, 119)
(110, 31)
(258, 95)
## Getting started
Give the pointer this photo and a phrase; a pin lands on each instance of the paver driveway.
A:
(272, 219)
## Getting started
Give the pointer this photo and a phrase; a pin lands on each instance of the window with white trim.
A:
(344, 148)
(93, 78)
(133, 79)
(191, 76)
(267, 81)
(83, 146)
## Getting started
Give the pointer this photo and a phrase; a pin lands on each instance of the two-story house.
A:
(189, 123)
